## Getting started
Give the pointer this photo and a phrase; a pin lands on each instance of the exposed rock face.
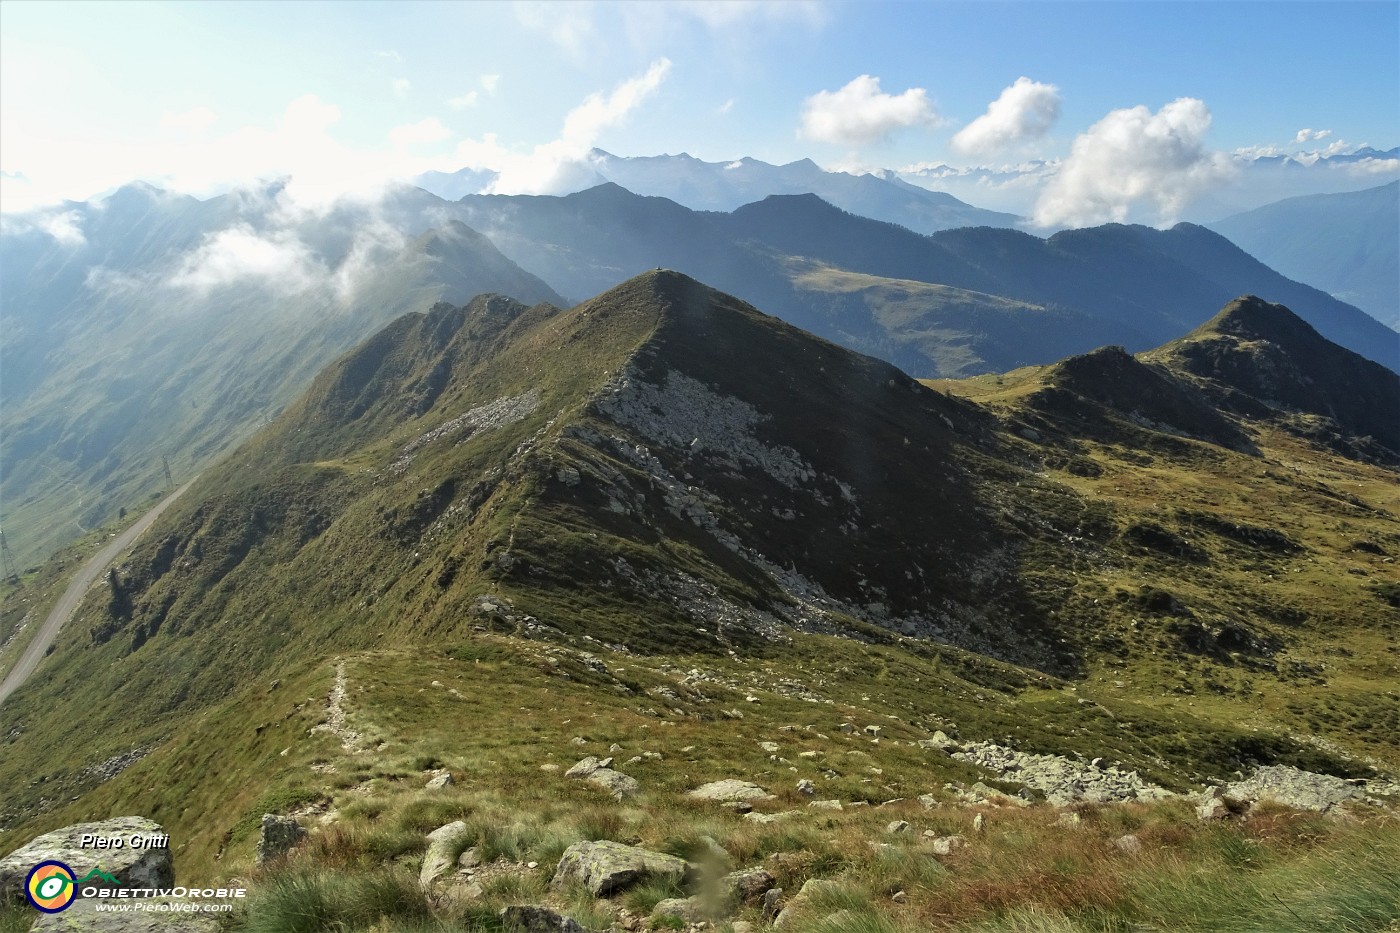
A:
(1295, 788)
(605, 868)
(442, 846)
(132, 867)
(730, 789)
(696, 416)
(279, 834)
(1062, 780)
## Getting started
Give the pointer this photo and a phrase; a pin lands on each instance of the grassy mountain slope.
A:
(918, 324)
(502, 527)
(1346, 244)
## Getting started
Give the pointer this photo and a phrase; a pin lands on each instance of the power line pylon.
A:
(7, 561)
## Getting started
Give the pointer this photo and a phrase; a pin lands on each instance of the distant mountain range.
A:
(723, 186)
(1133, 286)
(1347, 244)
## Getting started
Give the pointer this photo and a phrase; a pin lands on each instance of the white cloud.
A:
(239, 254)
(1250, 153)
(468, 99)
(1026, 110)
(1134, 158)
(1370, 167)
(43, 167)
(429, 130)
(725, 107)
(860, 114)
(1311, 135)
(191, 121)
(401, 86)
(489, 83)
(560, 164)
(66, 228)
(390, 54)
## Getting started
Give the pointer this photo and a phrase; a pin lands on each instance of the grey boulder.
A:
(606, 868)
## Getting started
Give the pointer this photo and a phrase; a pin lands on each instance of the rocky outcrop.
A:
(730, 790)
(1294, 787)
(279, 834)
(801, 905)
(134, 866)
(691, 910)
(1062, 780)
(443, 844)
(605, 868)
(745, 886)
(597, 772)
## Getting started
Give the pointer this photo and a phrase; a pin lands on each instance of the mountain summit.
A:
(1274, 363)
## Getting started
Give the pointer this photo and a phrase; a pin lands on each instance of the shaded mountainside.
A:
(665, 475)
(1263, 359)
(1347, 244)
(1112, 380)
(1132, 286)
(156, 336)
(1141, 286)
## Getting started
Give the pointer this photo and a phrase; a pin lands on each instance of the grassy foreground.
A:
(686, 721)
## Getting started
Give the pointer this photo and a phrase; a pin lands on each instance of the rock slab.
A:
(442, 850)
(729, 790)
(605, 868)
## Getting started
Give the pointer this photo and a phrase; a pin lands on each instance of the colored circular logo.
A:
(50, 887)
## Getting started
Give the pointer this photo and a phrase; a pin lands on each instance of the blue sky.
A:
(196, 95)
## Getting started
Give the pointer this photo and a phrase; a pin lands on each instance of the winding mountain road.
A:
(73, 596)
